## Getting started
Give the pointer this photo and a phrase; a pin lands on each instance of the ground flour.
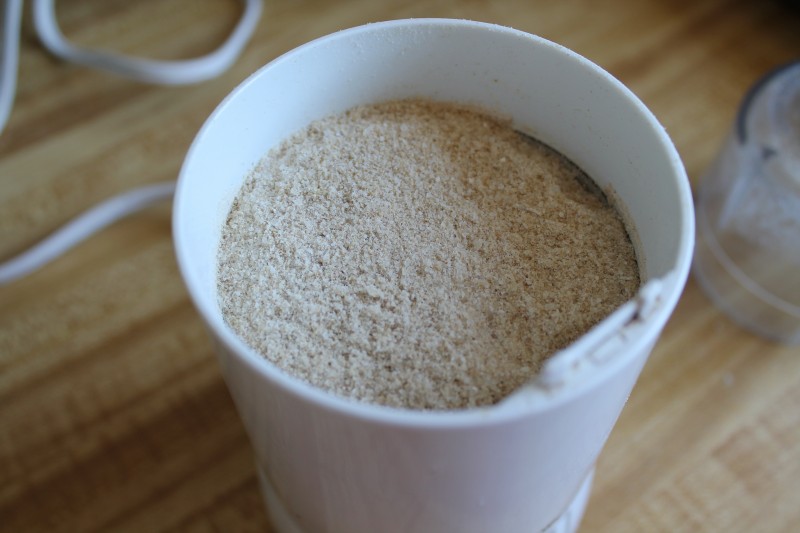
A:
(419, 255)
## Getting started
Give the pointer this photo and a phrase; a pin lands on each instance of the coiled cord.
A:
(178, 72)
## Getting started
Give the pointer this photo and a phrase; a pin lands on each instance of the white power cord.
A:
(146, 70)
(163, 72)
(12, 21)
(81, 227)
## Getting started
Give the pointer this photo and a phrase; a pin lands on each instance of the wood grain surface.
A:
(113, 413)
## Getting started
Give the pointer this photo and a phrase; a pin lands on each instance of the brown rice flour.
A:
(420, 255)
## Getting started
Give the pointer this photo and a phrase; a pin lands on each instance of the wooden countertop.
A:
(113, 413)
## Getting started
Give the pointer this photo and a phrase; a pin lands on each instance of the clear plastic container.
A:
(747, 255)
